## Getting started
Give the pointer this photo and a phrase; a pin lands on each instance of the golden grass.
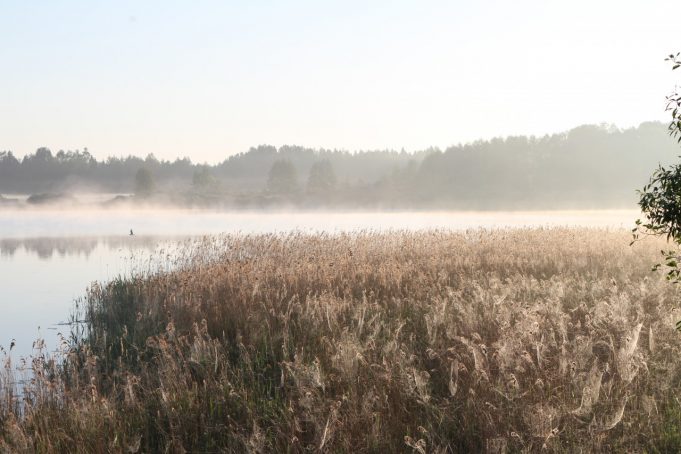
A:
(499, 341)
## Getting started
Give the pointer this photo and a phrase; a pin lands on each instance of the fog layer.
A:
(586, 167)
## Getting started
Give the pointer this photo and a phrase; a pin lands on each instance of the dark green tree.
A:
(204, 181)
(144, 182)
(282, 178)
(660, 199)
(322, 178)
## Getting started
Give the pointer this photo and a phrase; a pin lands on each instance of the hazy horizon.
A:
(210, 80)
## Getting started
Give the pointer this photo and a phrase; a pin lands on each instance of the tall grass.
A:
(485, 341)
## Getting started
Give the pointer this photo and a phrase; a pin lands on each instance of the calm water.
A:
(49, 257)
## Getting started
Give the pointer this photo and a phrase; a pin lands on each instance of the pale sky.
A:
(207, 79)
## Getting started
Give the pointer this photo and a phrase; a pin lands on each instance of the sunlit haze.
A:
(209, 79)
(336, 226)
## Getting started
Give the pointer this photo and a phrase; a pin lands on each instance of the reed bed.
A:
(528, 340)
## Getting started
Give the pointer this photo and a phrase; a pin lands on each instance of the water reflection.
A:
(42, 277)
(46, 248)
(104, 223)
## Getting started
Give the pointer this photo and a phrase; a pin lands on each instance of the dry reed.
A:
(499, 341)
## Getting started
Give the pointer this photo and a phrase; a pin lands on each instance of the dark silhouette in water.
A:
(131, 234)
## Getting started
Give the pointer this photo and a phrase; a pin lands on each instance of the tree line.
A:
(591, 166)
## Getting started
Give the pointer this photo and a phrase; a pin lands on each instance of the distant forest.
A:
(587, 167)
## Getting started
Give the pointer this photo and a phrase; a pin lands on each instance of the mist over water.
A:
(275, 240)
(175, 222)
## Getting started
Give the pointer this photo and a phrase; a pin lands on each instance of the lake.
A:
(49, 257)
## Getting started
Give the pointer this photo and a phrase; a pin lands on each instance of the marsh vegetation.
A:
(429, 341)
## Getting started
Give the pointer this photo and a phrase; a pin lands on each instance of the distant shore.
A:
(269, 202)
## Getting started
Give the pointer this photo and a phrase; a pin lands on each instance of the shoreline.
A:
(272, 339)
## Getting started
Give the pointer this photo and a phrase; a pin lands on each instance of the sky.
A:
(208, 79)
